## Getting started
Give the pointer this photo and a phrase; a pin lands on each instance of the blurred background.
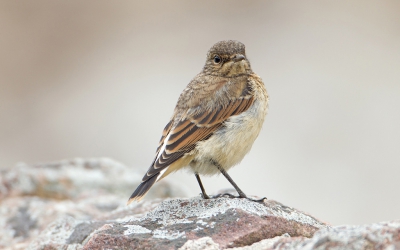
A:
(101, 79)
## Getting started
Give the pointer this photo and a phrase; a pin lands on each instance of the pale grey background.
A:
(101, 78)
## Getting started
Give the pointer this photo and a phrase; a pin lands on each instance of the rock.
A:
(81, 204)
(384, 235)
(32, 197)
(71, 179)
(199, 244)
(264, 244)
(61, 234)
(186, 224)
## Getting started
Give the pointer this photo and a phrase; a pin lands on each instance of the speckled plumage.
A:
(216, 120)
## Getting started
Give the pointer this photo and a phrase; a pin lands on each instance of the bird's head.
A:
(227, 59)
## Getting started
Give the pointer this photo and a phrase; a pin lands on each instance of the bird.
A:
(215, 122)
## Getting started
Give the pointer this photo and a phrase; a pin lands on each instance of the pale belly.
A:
(228, 145)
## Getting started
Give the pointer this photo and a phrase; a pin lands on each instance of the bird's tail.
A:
(142, 189)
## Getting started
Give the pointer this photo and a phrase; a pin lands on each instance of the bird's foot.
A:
(228, 195)
(259, 200)
(225, 195)
(204, 196)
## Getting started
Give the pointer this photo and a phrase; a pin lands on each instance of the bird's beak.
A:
(238, 57)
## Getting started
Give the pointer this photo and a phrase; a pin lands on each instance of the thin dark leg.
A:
(205, 196)
(240, 192)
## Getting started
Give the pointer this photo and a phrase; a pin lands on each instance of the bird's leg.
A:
(204, 195)
(240, 192)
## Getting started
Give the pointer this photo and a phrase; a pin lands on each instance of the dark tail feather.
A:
(142, 189)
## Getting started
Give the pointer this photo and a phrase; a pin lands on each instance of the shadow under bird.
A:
(215, 122)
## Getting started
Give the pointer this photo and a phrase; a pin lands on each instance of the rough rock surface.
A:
(33, 196)
(384, 235)
(176, 223)
(229, 222)
(73, 179)
(80, 204)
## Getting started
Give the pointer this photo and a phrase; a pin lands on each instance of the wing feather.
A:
(164, 134)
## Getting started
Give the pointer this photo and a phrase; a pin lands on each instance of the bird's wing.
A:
(181, 137)
(195, 119)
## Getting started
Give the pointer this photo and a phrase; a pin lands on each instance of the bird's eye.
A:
(217, 59)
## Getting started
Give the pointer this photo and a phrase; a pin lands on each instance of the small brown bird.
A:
(216, 120)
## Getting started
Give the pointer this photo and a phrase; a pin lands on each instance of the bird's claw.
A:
(224, 195)
(259, 200)
(228, 195)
